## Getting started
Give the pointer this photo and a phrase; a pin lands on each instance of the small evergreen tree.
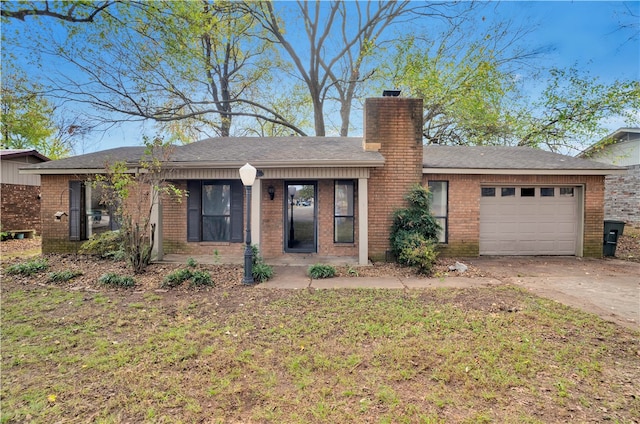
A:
(414, 233)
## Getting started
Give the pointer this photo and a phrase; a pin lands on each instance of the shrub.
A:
(28, 268)
(175, 278)
(262, 272)
(201, 278)
(414, 233)
(191, 263)
(113, 279)
(109, 244)
(321, 271)
(62, 276)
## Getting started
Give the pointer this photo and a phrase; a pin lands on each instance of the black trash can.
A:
(612, 230)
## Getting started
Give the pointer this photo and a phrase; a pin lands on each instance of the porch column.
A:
(157, 251)
(256, 212)
(363, 222)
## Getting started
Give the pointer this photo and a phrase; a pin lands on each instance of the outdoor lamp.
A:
(248, 177)
(272, 192)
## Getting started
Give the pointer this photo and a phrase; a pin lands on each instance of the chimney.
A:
(392, 126)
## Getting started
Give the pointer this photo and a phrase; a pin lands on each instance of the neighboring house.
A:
(622, 192)
(335, 196)
(20, 205)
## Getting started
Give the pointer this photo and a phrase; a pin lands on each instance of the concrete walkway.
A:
(295, 277)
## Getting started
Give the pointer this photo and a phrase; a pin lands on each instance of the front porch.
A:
(297, 259)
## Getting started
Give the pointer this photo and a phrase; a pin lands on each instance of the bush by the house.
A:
(195, 276)
(261, 271)
(30, 267)
(63, 276)
(321, 271)
(113, 279)
(109, 244)
(414, 233)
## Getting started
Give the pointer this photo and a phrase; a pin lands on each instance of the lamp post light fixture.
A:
(292, 193)
(248, 177)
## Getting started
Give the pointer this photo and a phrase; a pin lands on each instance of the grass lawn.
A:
(342, 356)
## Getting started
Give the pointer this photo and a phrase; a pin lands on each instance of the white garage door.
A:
(528, 220)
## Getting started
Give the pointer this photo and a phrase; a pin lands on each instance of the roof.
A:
(232, 152)
(507, 160)
(20, 153)
(278, 152)
(618, 136)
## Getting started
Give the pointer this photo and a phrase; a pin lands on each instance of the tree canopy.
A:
(222, 68)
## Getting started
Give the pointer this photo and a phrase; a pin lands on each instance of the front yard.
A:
(236, 354)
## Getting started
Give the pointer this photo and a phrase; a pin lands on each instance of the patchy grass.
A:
(343, 356)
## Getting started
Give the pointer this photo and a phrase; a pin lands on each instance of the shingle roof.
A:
(96, 160)
(504, 157)
(236, 151)
(278, 151)
(19, 153)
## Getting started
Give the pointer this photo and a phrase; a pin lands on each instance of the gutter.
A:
(485, 171)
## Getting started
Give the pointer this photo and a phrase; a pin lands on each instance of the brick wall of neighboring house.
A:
(464, 208)
(622, 197)
(20, 207)
(395, 124)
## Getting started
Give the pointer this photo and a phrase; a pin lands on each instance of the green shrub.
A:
(418, 252)
(113, 279)
(28, 268)
(63, 276)
(109, 244)
(201, 278)
(321, 271)
(262, 272)
(414, 232)
(191, 263)
(177, 277)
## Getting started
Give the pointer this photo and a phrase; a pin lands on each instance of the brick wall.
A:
(622, 197)
(464, 208)
(55, 198)
(20, 208)
(396, 124)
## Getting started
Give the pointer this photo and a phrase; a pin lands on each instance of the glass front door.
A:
(300, 217)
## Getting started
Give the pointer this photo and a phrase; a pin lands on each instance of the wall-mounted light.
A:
(272, 191)
(59, 215)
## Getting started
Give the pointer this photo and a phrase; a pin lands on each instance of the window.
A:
(527, 192)
(89, 212)
(343, 217)
(566, 191)
(488, 192)
(547, 192)
(508, 191)
(439, 206)
(215, 211)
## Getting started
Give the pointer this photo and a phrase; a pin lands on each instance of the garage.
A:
(529, 220)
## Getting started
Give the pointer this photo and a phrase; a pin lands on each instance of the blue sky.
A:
(584, 34)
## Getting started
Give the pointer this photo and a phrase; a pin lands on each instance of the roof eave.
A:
(493, 171)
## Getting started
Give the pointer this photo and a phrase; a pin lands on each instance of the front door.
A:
(300, 214)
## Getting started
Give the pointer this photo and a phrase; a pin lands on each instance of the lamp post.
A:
(292, 193)
(248, 177)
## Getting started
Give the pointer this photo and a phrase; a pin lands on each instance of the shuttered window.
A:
(215, 210)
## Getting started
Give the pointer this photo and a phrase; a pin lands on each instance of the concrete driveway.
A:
(609, 288)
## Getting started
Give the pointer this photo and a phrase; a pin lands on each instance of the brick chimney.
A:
(392, 126)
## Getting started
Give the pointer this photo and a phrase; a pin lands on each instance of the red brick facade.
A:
(464, 208)
(20, 208)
